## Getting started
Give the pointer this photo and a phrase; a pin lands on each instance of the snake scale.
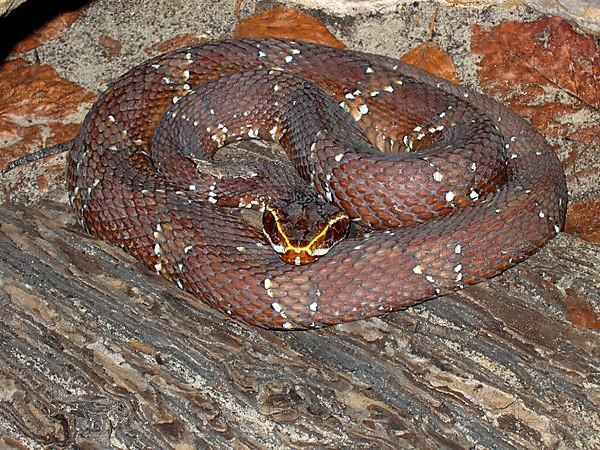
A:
(451, 187)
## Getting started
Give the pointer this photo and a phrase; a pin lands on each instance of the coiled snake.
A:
(461, 190)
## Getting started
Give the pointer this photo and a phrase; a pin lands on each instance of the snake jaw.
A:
(305, 239)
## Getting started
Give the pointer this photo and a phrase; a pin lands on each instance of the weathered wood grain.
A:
(96, 353)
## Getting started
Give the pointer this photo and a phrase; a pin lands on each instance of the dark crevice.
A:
(29, 17)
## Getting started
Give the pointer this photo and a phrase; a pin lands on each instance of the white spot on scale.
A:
(449, 196)
(438, 176)
(459, 277)
(339, 157)
(156, 66)
(369, 70)
(157, 249)
(430, 279)
(418, 269)
(179, 284)
(261, 54)
(158, 267)
(276, 306)
(297, 261)
(313, 306)
(457, 249)
(287, 326)
(541, 214)
(474, 195)
(111, 118)
(275, 133)
(192, 187)
(364, 109)
(388, 89)
(187, 249)
(458, 268)
(175, 100)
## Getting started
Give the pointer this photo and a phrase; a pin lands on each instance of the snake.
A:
(396, 187)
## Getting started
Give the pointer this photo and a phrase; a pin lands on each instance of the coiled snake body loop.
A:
(462, 189)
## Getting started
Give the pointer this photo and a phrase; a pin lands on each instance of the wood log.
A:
(96, 352)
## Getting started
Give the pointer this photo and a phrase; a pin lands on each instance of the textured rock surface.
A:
(585, 13)
(7, 6)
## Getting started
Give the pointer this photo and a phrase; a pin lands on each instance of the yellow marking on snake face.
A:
(288, 246)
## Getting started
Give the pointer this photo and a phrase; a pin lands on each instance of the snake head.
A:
(302, 231)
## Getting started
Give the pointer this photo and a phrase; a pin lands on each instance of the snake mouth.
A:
(315, 242)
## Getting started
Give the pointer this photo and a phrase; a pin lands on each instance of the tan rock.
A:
(7, 6)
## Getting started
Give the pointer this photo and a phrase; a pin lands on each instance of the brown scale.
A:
(491, 207)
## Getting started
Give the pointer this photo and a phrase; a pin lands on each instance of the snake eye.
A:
(272, 232)
(337, 230)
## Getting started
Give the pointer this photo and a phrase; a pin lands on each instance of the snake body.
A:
(452, 187)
